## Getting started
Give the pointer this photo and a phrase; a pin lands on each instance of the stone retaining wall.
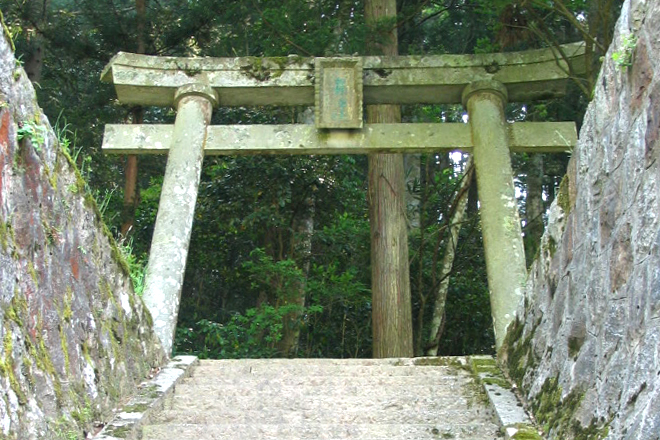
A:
(586, 348)
(75, 338)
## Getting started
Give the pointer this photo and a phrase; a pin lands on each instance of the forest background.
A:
(279, 262)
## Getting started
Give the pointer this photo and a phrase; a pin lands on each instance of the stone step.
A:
(395, 412)
(263, 382)
(397, 362)
(473, 431)
(304, 402)
(308, 399)
(271, 389)
(297, 370)
(350, 371)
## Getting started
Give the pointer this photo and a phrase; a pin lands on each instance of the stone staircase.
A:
(425, 398)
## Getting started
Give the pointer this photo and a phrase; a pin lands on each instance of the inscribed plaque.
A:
(338, 90)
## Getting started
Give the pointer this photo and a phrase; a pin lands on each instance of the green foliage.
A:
(65, 429)
(136, 265)
(485, 45)
(104, 200)
(249, 335)
(343, 328)
(469, 326)
(623, 57)
(277, 279)
(65, 137)
(32, 131)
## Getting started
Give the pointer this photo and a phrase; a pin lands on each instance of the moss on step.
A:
(438, 362)
(488, 372)
(526, 432)
(136, 408)
(121, 431)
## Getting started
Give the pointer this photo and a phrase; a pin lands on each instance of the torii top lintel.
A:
(432, 79)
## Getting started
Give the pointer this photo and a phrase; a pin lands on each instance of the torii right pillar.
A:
(500, 220)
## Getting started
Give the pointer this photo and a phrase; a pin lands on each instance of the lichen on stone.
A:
(263, 69)
(5, 230)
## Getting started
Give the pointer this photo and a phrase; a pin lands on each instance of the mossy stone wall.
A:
(75, 340)
(585, 349)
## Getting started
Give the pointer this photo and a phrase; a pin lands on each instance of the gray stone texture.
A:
(540, 137)
(586, 350)
(176, 210)
(127, 423)
(431, 79)
(395, 399)
(75, 338)
(500, 221)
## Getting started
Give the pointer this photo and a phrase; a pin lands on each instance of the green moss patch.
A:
(151, 392)
(33, 274)
(487, 372)
(136, 408)
(437, 362)
(551, 247)
(557, 414)
(563, 197)
(121, 431)
(7, 365)
(526, 432)
(517, 351)
(17, 310)
(5, 233)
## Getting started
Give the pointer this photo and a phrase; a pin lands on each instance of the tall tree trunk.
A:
(534, 207)
(140, 25)
(390, 279)
(34, 62)
(301, 252)
(131, 191)
(303, 229)
(455, 222)
(131, 199)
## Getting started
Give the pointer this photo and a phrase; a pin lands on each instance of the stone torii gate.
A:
(339, 87)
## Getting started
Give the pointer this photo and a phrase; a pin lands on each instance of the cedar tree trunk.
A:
(390, 282)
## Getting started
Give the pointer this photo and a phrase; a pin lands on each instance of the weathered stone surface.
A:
(500, 221)
(506, 406)
(528, 75)
(127, 424)
(586, 350)
(396, 399)
(539, 137)
(176, 210)
(75, 338)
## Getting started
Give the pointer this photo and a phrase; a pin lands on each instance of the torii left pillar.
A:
(169, 246)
